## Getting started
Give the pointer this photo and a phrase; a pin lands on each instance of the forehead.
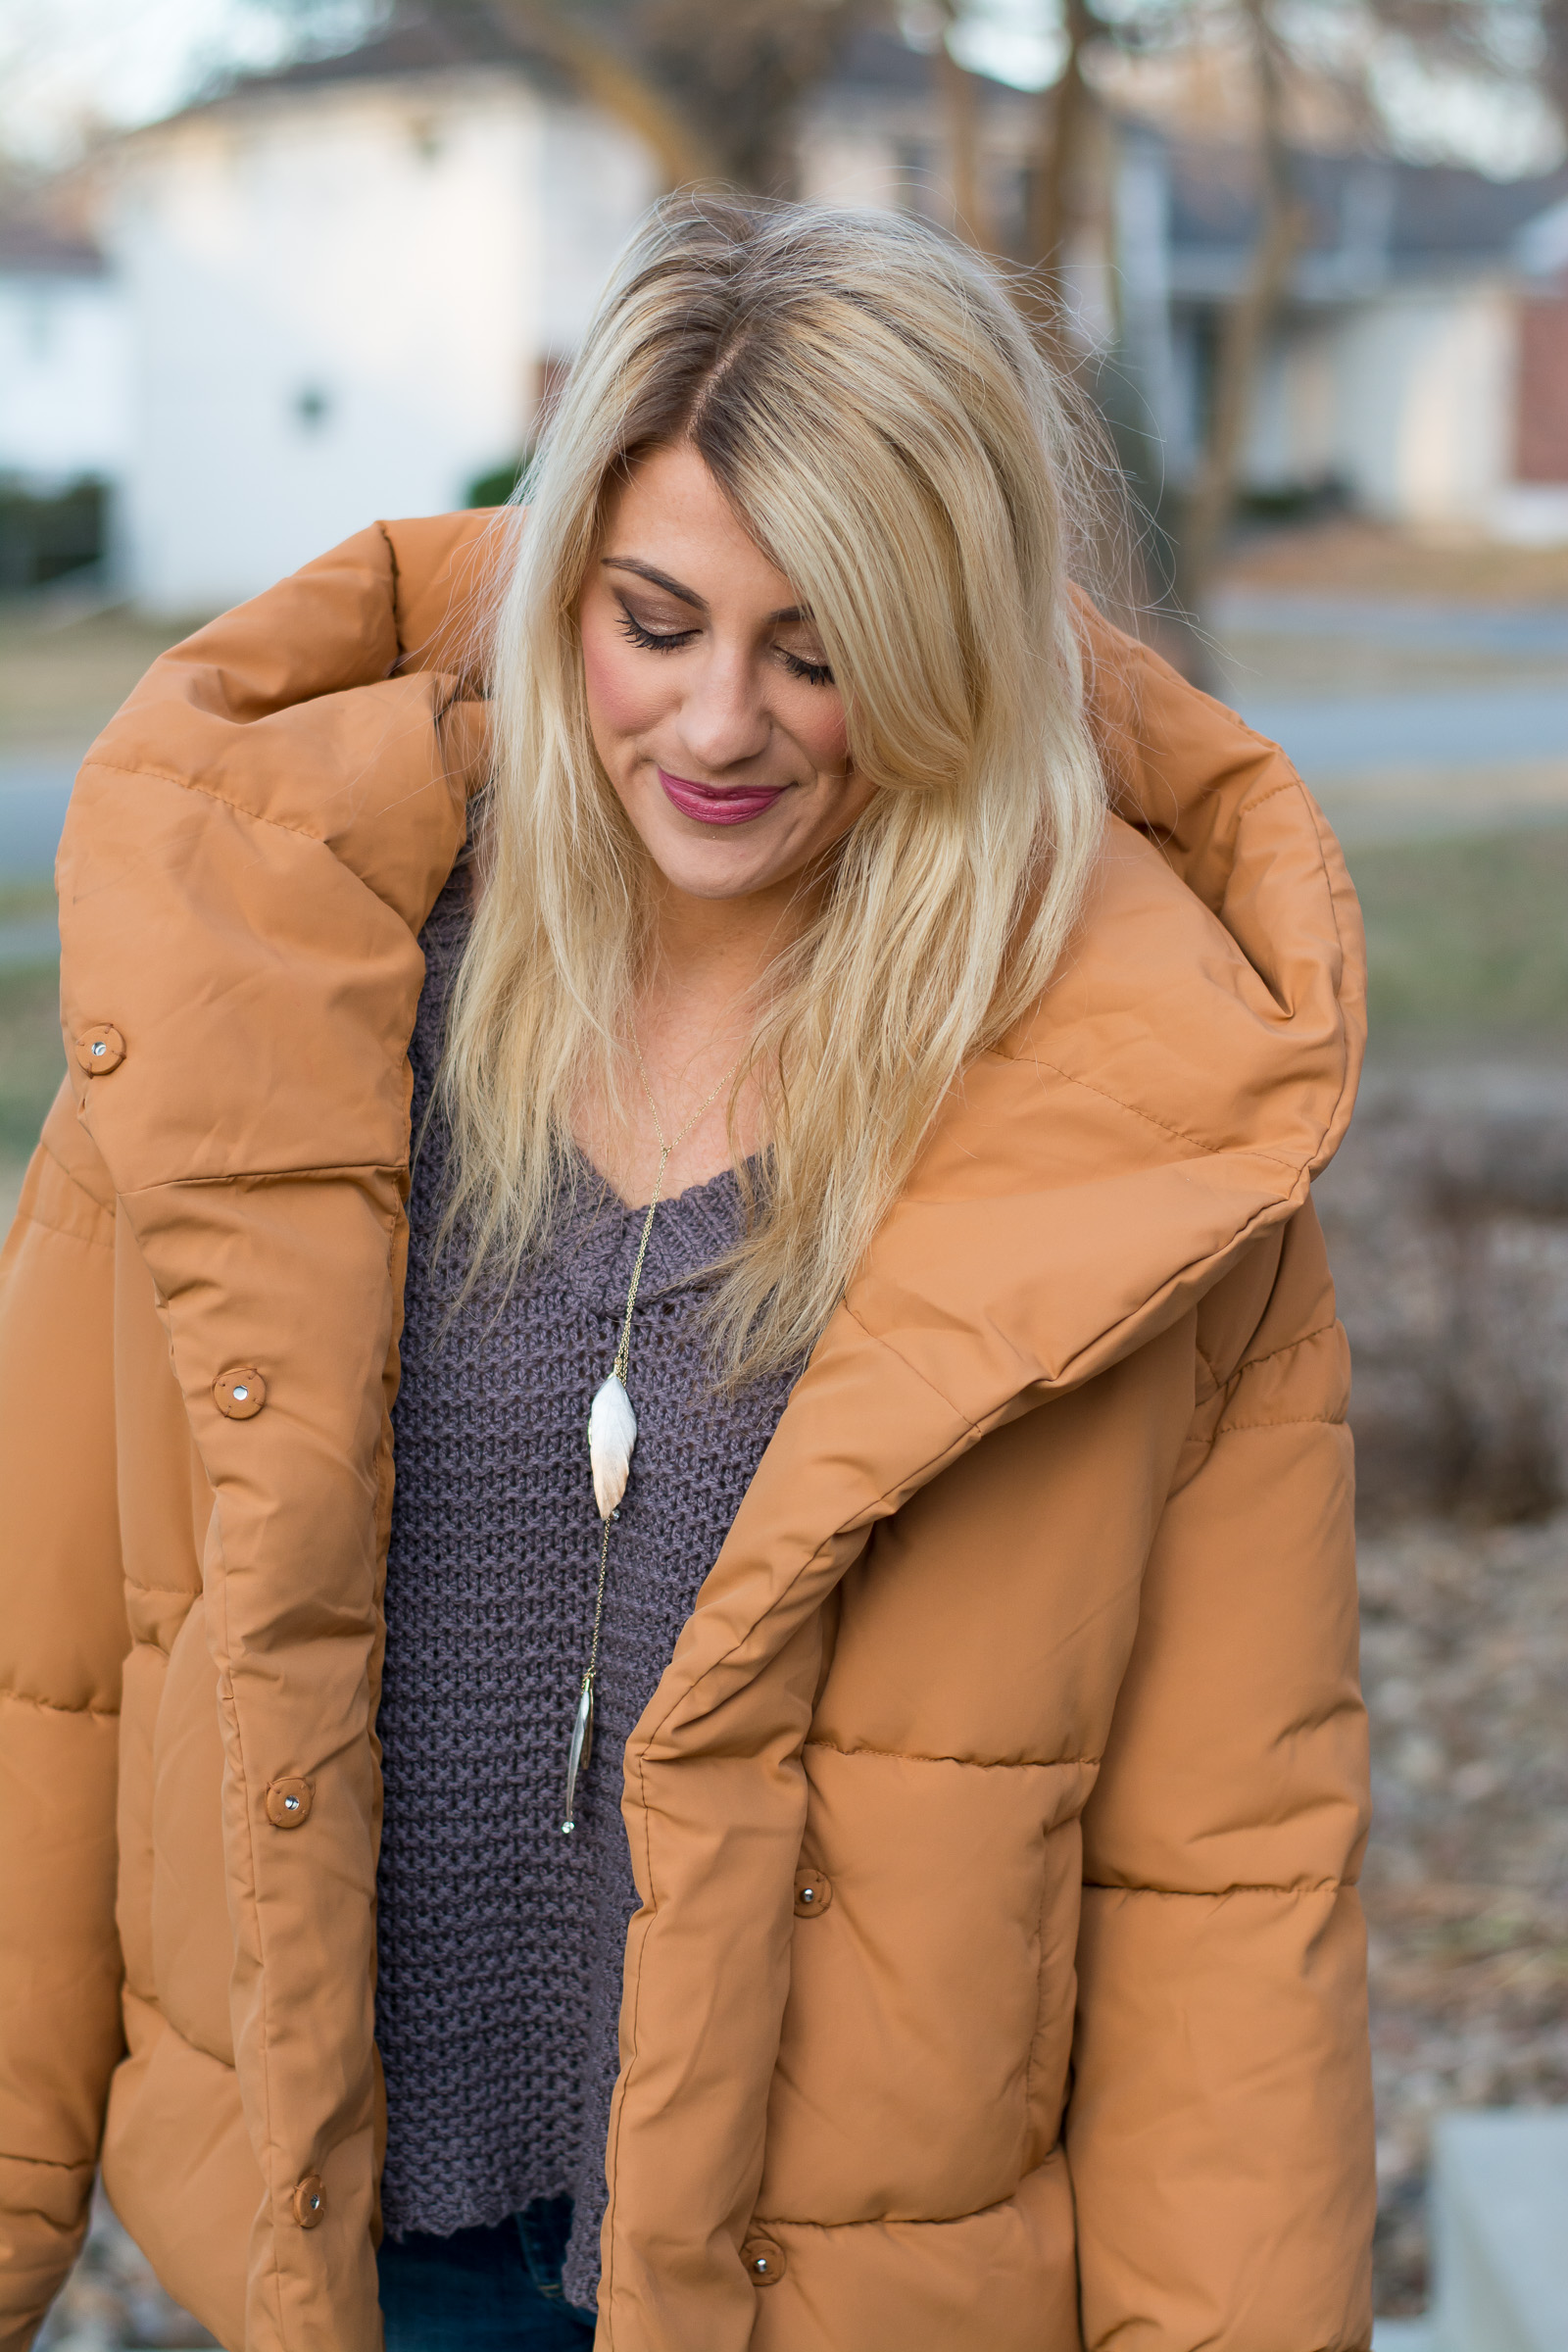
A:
(672, 515)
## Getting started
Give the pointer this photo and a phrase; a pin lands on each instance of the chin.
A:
(708, 876)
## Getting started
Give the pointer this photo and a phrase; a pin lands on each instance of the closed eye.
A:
(669, 641)
(815, 673)
(653, 641)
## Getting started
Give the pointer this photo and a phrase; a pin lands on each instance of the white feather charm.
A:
(612, 1435)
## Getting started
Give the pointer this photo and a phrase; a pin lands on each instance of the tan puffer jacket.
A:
(1033, 1641)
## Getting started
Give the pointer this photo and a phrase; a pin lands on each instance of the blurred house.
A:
(1420, 367)
(345, 288)
(349, 284)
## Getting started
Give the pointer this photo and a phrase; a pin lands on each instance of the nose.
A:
(724, 717)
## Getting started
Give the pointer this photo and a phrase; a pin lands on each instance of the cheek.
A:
(621, 686)
(823, 732)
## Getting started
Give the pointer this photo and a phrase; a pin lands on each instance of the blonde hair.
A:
(869, 400)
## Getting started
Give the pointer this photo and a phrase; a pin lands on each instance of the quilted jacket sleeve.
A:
(63, 1636)
(1220, 2125)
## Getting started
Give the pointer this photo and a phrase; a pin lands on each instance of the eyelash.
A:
(669, 641)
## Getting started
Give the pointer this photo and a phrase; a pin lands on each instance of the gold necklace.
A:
(612, 1435)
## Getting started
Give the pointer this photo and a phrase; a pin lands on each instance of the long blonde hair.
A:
(869, 400)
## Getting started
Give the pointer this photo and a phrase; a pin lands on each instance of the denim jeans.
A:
(485, 2290)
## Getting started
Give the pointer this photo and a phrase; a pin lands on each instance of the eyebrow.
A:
(689, 596)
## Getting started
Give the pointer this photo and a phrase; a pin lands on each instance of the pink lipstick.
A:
(721, 804)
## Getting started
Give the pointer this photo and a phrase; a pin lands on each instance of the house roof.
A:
(418, 42)
(422, 40)
(1411, 214)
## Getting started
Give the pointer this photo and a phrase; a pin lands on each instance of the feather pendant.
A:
(612, 1435)
(579, 1753)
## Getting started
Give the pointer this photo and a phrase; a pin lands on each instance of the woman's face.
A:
(713, 709)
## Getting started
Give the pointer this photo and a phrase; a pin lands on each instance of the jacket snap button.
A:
(288, 1802)
(310, 2201)
(813, 1892)
(765, 2261)
(240, 1392)
(100, 1049)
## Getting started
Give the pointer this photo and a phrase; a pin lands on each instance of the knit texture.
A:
(501, 1941)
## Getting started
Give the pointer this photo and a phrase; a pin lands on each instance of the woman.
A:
(900, 1161)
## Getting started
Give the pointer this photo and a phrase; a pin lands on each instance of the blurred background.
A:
(271, 267)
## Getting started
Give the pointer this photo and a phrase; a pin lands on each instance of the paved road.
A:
(1466, 726)
(33, 792)
(1504, 629)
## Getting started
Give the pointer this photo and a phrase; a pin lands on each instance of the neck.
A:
(696, 1014)
(718, 950)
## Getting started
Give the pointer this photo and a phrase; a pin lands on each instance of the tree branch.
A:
(611, 82)
(1065, 110)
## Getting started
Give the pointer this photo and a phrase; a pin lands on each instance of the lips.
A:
(721, 804)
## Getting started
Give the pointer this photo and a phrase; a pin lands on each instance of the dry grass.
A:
(1467, 936)
(1348, 557)
(32, 1058)
(63, 679)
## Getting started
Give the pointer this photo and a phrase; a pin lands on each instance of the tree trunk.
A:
(961, 107)
(1243, 332)
(1064, 122)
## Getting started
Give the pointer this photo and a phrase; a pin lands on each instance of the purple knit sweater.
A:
(500, 1941)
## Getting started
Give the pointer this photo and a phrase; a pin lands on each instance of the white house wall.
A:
(63, 378)
(1407, 401)
(341, 299)
(594, 185)
(1292, 437)
(1425, 404)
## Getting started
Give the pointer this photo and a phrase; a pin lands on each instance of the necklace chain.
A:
(666, 1150)
(667, 1146)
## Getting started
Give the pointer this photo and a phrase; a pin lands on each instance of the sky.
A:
(64, 63)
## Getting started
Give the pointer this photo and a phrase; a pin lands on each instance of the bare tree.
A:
(736, 70)
(1553, 18)
(1246, 322)
(606, 74)
(1497, 42)
(713, 87)
(962, 120)
(1062, 146)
